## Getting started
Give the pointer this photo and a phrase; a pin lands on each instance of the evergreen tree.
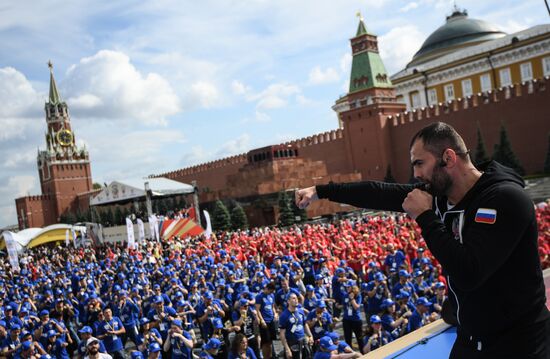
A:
(238, 218)
(505, 155)
(286, 215)
(67, 218)
(80, 216)
(389, 176)
(119, 217)
(481, 153)
(300, 214)
(221, 220)
(109, 217)
(547, 161)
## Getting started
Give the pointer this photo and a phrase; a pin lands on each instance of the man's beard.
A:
(440, 183)
(93, 350)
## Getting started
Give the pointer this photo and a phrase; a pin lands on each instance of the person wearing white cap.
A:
(92, 345)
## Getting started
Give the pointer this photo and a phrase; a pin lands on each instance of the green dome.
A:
(459, 31)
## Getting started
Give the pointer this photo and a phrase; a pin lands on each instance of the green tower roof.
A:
(54, 98)
(367, 68)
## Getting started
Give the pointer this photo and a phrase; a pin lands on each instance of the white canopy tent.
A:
(133, 189)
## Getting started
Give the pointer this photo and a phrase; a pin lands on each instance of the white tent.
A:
(118, 191)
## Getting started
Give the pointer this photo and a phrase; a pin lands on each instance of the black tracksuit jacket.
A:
(493, 270)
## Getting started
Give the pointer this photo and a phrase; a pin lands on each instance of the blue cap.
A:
(418, 273)
(386, 303)
(156, 286)
(136, 355)
(321, 304)
(334, 336)
(52, 333)
(158, 299)
(327, 344)
(375, 319)
(439, 285)
(403, 294)
(310, 288)
(318, 276)
(144, 320)
(373, 265)
(213, 343)
(208, 295)
(404, 273)
(379, 276)
(154, 347)
(242, 302)
(423, 301)
(26, 345)
(85, 329)
(15, 327)
(350, 283)
(3, 324)
(340, 270)
(177, 323)
(217, 323)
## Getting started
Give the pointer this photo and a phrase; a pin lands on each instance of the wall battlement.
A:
(207, 166)
(316, 139)
(477, 100)
(36, 198)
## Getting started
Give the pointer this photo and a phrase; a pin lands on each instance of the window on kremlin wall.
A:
(432, 97)
(505, 77)
(449, 92)
(466, 87)
(526, 71)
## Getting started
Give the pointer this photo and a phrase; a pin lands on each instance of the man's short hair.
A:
(440, 136)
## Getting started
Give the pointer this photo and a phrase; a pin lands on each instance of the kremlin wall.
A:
(375, 129)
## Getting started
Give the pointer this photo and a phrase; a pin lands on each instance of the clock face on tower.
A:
(65, 137)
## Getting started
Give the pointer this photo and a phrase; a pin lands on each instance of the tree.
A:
(286, 215)
(119, 216)
(389, 176)
(221, 220)
(67, 218)
(547, 161)
(96, 185)
(300, 214)
(238, 218)
(504, 154)
(481, 153)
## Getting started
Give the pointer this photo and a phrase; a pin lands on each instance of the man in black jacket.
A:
(481, 227)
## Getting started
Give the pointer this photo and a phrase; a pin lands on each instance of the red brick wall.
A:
(38, 211)
(524, 110)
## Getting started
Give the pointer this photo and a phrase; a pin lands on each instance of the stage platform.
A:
(434, 341)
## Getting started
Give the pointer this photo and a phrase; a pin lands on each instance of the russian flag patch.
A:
(486, 215)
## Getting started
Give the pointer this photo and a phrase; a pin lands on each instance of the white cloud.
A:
(410, 6)
(345, 63)
(262, 117)
(317, 76)
(234, 147)
(274, 96)
(18, 186)
(107, 85)
(398, 46)
(239, 88)
(19, 158)
(304, 101)
(206, 94)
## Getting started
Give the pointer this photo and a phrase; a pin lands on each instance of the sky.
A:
(158, 85)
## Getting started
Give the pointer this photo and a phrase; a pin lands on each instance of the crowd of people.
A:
(233, 295)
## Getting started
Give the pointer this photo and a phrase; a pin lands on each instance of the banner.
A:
(152, 227)
(67, 238)
(208, 231)
(130, 232)
(11, 246)
(74, 237)
(157, 232)
(100, 234)
(141, 231)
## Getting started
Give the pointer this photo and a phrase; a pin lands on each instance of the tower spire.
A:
(54, 98)
(361, 29)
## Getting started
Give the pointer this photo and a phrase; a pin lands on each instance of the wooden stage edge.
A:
(427, 331)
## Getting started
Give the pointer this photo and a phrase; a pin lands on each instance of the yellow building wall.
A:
(536, 66)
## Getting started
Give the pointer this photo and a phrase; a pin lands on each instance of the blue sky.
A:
(154, 86)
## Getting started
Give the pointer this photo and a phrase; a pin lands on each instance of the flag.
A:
(67, 238)
(152, 227)
(208, 231)
(141, 230)
(157, 234)
(130, 232)
(11, 246)
(100, 234)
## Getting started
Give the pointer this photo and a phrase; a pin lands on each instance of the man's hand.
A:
(417, 202)
(305, 196)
